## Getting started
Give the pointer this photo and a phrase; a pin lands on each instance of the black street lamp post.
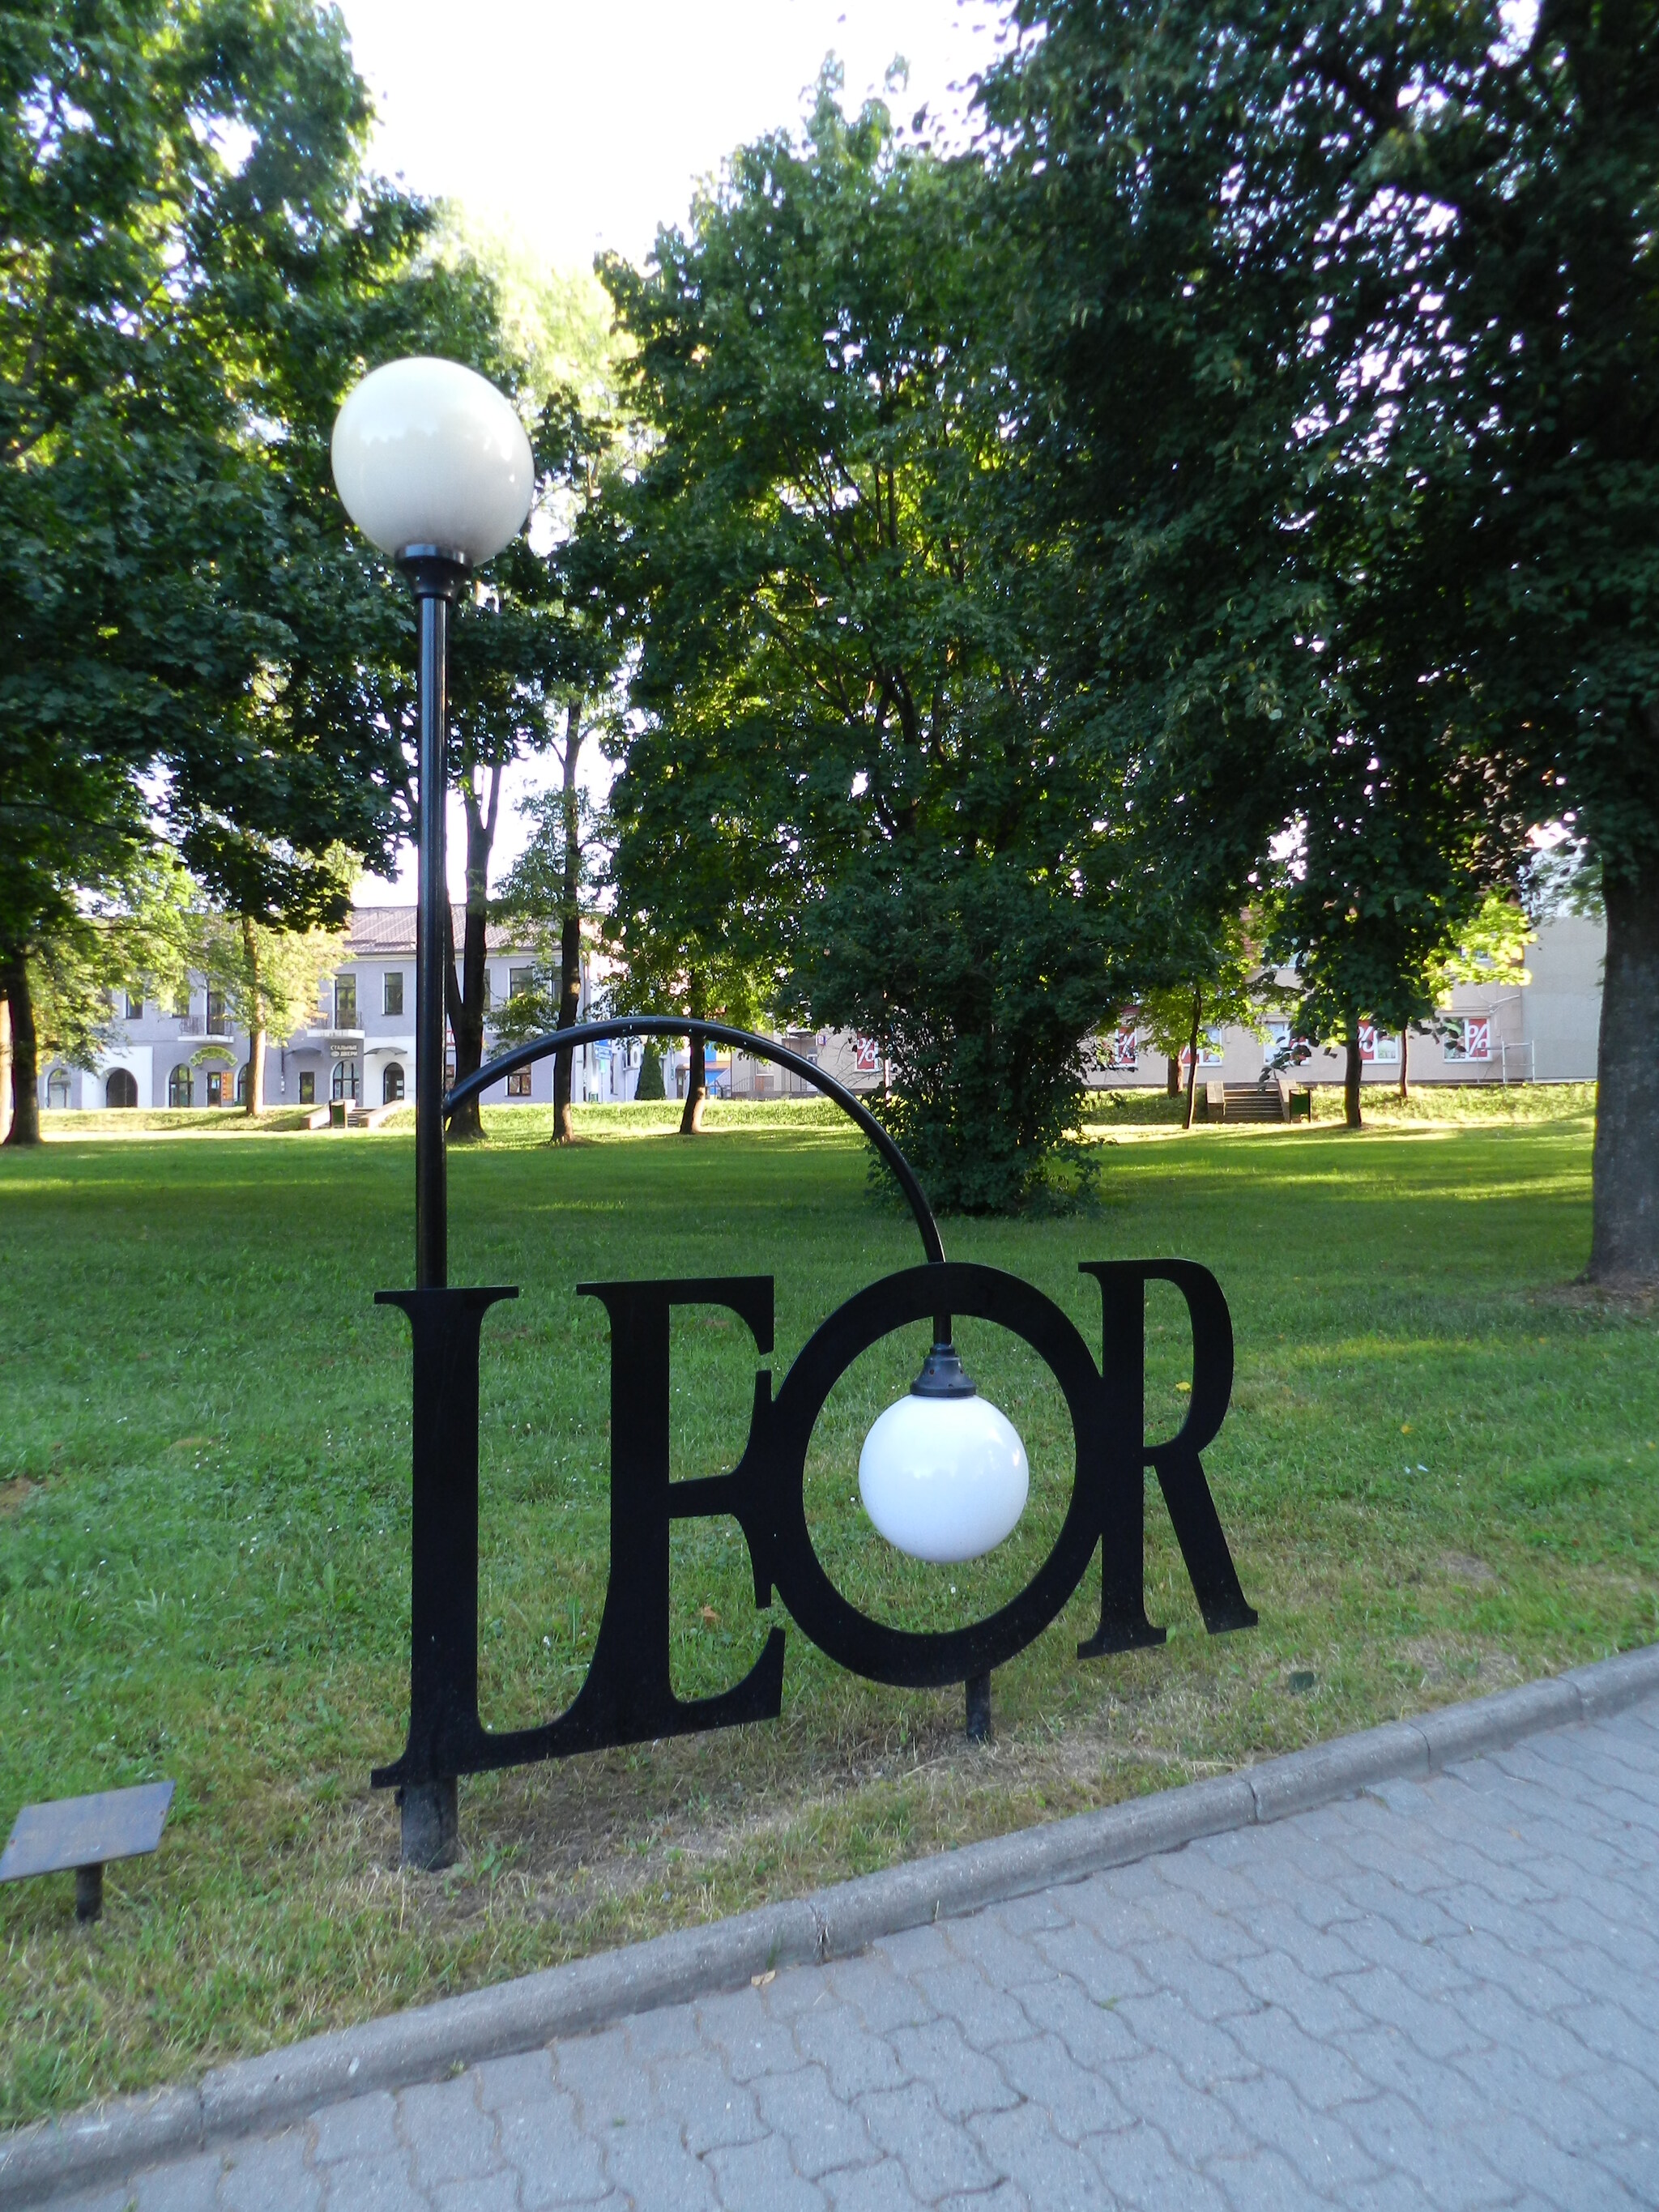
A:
(434, 467)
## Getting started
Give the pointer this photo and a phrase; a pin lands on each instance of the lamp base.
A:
(431, 1824)
(977, 1724)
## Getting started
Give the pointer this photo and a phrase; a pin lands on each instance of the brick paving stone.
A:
(963, 2081)
(361, 2127)
(757, 2177)
(937, 2155)
(884, 1998)
(495, 2192)
(451, 2138)
(1205, 2054)
(1434, 1995)
(557, 2162)
(1046, 2170)
(269, 2174)
(192, 2185)
(1318, 2144)
(987, 2017)
(1265, 2182)
(1140, 2170)
(713, 2110)
(1276, 2043)
(1072, 2101)
(1283, 1989)
(881, 2188)
(651, 2165)
(1105, 1970)
(822, 2129)
(834, 2035)
(1200, 2127)
(1097, 2035)
(372, 2185)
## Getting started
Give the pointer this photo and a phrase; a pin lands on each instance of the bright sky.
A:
(583, 124)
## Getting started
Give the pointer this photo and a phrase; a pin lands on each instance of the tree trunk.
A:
(5, 1066)
(570, 930)
(1172, 1076)
(1624, 1219)
(464, 992)
(696, 1080)
(25, 1052)
(1405, 1051)
(1192, 1060)
(1351, 1079)
(256, 1022)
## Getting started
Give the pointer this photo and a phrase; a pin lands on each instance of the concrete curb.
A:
(106, 2140)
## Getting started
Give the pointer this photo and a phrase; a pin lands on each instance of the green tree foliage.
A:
(195, 265)
(1228, 988)
(855, 759)
(1376, 289)
(553, 880)
(651, 1084)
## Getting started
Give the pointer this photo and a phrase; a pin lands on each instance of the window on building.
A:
(392, 994)
(1121, 1049)
(122, 1088)
(134, 1001)
(182, 1003)
(519, 979)
(217, 1024)
(392, 1082)
(449, 1067)
(307, 1087)
(518, 1084)
(181, 1087)
(1212, 1048)
(345, 1002)
(241, 1084)
(487, 1001)
(1471, 1038)
(57, 1090)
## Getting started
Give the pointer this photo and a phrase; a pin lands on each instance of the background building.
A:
(359, 1046)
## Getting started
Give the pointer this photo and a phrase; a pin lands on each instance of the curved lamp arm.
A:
(758, 1047)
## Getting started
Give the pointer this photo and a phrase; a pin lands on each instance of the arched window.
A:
(241, 1084)
(181, 1086)
(57, 1089)
(344, 1083)
(122, 1088)
(392, 1083)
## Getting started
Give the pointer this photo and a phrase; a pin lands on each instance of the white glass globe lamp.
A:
(943, 1473)
(429, 454)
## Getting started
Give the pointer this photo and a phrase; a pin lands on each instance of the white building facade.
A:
(1544, 1031)
(357, 1049)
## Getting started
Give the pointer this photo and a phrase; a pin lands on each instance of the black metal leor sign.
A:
(627, 1696)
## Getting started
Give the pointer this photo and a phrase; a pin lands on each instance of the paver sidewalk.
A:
(1444, 1993)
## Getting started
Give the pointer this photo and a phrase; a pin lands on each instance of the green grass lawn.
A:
(1438, 1477)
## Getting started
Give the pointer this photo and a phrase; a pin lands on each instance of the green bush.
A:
(651, 1081)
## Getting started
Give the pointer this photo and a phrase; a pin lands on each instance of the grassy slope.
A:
(1438, 1475)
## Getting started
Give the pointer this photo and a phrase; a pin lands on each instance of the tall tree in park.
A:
(195, 264)
(267, 973)
(1226, 985)
(692, 918)
(1408, 256)
(847, 653)
(553, 879)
